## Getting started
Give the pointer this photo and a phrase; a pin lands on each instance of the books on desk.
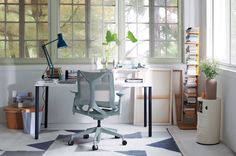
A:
(134, 80)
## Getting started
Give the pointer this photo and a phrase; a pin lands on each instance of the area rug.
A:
(54, 143)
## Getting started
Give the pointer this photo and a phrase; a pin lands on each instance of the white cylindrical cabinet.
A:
(208, 125)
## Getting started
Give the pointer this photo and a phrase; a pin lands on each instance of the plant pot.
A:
(211, 89)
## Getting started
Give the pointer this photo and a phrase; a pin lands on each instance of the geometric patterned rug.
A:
(54, 143)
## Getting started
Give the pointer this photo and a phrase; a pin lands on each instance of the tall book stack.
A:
(189, 108)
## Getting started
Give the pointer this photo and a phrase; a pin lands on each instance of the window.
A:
(166, 29)
(233, 32)
(84, 24)
(23, 28)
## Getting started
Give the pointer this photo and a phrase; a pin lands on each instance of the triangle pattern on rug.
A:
(166, 144)
(134, 152)
(133, 135)
(23, 153)
(42, 145)
(74, 131)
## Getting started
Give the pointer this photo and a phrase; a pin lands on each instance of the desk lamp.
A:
(60, 44)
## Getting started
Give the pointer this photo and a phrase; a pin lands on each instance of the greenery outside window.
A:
(23, 28)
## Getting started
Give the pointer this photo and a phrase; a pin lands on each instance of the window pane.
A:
(30, 13)
(79, 50)
(42, 31)
(66, 1)
(160, 2)
(143, 14)
(2, 49)
(143, 31)
(12, 1)
(109, 2)
(12, 31)
(2, 12)
(30, 49)
(2, 31)
(172, 49)
(66, 29)
(96, 2)
(43, 13)
(160, 15)
(172, 15)
(172, 2)
(109, 14)
(30, 31)
(79, 13)
(12, 13)
(172, 32)
(12, 49)
(96, 49)
(130, 14)
(65, 13)
(79, 1)
(160, 50)
(131, 49)
(96, 14)
(143, 49)
(66, 52)
(79, 31)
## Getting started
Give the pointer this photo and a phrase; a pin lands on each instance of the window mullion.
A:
(152, 32)
(87, 26)
(21, 29)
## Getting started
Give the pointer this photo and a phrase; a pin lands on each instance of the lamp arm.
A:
(49, 42)
(49, 61)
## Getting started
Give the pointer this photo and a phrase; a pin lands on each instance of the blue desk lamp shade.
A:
(60, 44)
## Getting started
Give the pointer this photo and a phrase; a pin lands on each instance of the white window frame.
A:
(210, 37)
(53, 23)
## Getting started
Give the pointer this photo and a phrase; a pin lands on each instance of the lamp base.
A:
(55, 75)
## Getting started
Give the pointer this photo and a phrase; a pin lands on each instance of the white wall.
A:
(226, 91)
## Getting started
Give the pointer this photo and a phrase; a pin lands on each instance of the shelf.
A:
(189, 106)
(187, 126)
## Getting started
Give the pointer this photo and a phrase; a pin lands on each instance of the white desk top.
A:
(118, 84)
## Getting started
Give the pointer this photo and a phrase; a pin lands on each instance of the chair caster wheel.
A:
(71, 142)
(116, 137)
(124, 142)
(95, 147)
(86, 136)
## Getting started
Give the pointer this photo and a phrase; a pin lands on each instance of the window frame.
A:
(53, 23)
(210, 37)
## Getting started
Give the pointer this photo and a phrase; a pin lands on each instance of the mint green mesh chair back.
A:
(96, 95)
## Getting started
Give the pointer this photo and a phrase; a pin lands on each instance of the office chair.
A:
(96, 98)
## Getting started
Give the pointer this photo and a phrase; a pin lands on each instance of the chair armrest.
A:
(74, 91)
(119, 94)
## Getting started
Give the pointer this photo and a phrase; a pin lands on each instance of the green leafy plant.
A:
(209, 68)
(110, 38)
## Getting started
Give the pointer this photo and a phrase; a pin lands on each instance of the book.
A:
(134, 80)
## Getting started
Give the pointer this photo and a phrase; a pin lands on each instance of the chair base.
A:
(97, 138)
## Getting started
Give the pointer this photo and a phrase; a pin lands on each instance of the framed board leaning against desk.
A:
(118, 85)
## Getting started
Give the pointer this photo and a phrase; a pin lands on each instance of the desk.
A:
(118, 86)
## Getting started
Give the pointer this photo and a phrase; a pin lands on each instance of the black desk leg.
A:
(150, 111)
(36, 112)
(46, 109)
(145, 106)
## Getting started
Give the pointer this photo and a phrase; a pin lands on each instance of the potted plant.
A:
(210, 70)
(112, 38)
